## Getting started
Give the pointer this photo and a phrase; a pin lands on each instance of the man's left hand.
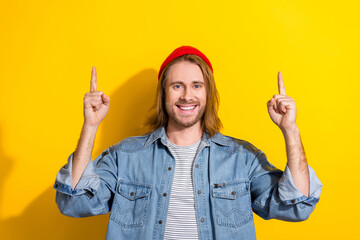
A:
(282, 108)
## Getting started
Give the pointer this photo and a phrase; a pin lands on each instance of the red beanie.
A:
(180, 52)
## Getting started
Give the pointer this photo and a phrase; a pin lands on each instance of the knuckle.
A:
(94, 101)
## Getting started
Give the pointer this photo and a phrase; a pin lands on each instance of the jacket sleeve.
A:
(274, 194)
(95, 190)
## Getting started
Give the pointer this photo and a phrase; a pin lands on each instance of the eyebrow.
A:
(180, 82)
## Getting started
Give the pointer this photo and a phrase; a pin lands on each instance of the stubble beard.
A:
(185, 124)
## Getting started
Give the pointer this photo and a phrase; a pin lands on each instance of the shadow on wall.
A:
(6, 164)
(129, 108)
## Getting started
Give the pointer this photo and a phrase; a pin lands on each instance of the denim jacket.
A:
(130, 178)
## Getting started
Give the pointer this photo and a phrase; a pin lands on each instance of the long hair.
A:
(210, 122)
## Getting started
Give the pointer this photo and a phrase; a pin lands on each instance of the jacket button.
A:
(233, 193)
(202, 220)
(160, 222)
(199, 191)
(293, 201)
(132, 194)
(169, 168)
(164, 194)
(197, 165)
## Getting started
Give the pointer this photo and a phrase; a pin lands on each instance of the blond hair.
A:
(210, 122)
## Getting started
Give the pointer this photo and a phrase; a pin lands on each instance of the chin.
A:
(185, 124)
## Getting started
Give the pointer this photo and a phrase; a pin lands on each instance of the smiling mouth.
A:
(186, 108)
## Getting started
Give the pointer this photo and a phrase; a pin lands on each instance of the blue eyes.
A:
(178, 86)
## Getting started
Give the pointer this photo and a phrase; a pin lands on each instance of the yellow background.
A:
(48, 48)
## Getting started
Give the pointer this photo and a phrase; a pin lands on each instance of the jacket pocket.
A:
(130, 204)
(232, 203)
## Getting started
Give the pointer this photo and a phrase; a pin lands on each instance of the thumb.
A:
(271, 102)
(105, 99)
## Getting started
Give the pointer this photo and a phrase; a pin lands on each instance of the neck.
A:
(184, 136)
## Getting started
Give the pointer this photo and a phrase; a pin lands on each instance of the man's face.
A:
(185, 95)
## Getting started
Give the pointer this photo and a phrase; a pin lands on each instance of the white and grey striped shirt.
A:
(181, 218)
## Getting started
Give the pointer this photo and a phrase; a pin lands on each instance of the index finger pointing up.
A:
(93, 81)
(281, 86)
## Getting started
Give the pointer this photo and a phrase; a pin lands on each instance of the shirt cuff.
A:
(89, 181)
(290, 194)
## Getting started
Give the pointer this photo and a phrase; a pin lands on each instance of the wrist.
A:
(90, 127)
(90, 124)
(290, 131)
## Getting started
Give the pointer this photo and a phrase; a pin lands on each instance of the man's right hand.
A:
(96, 104)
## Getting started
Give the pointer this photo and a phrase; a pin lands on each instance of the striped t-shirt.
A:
(181, 218)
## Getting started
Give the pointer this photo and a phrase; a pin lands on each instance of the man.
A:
(185, 180)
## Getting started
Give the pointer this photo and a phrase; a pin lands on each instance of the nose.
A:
(187, 95)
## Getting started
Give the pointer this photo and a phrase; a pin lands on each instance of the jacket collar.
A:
(160, 133)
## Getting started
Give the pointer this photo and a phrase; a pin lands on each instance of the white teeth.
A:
(187, 108)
